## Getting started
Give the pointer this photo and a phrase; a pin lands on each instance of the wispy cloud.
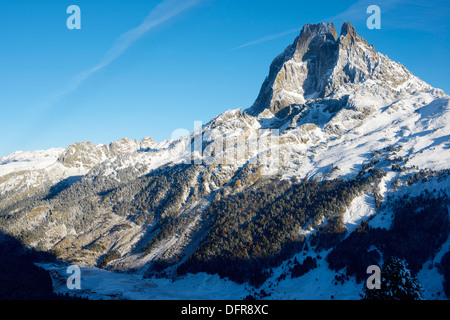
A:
(267, 38)
(420, 15)
(404, 14)
(349, 14)
(164, 11)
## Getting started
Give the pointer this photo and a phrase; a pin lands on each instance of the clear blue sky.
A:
(147, 67)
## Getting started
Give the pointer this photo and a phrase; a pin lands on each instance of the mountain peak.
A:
(312, 30)
(298, 72)
(347, 28)
(314, 36)
(319, 63)
(349, 35)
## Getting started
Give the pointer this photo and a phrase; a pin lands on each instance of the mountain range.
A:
(340, 163)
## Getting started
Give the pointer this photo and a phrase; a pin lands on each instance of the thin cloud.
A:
(267, 38)
(400, 14)
(350, 13)
(164, 11)
(357, 13)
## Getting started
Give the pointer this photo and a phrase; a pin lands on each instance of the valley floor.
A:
(318, 284)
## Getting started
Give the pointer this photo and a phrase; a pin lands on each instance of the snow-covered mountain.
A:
(321, 65)
(338, 141)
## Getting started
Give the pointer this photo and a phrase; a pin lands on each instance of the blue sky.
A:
(147, 67)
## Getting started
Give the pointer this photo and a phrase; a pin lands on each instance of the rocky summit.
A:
(322, 65)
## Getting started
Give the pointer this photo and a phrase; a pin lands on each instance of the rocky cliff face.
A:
(320, 64)
(88, 155)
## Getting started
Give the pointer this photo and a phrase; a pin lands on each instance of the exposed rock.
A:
(124, 145)
(320, 65)
(147, 143)
(83, 154)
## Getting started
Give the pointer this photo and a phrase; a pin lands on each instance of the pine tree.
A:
(397, 283)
